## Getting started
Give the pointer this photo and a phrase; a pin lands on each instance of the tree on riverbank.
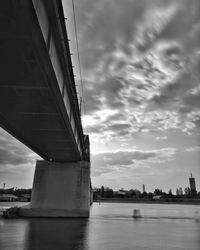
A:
(16, 191)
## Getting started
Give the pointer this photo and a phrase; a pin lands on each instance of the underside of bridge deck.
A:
(33, 107)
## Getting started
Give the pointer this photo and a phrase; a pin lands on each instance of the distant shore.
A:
(123, 200)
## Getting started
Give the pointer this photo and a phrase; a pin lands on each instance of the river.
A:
(110, 227)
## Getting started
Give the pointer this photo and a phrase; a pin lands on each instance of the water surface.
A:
(110, 227)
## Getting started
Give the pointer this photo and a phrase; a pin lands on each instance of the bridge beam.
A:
(60, 190)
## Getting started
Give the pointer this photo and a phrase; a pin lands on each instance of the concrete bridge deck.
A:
(39, 106)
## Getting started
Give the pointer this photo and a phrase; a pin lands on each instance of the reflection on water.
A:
(13, 234)
(110, 227)
(43, 234)
(58, 234)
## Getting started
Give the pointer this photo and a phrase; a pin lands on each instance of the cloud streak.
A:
(109, 162)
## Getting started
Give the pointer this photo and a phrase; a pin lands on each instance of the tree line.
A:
(106, 192)
(16, 191)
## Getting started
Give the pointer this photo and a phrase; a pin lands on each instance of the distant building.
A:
(192, 185)
(143, 187)
(187, 191)
(179, 191)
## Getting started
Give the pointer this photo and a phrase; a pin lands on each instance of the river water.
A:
(110, 227)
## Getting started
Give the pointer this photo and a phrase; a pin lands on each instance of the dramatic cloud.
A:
(141, 76)
(138, 65)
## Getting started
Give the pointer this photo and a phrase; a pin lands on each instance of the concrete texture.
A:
(60, 190)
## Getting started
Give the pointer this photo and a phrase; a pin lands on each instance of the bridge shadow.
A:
(57, 234)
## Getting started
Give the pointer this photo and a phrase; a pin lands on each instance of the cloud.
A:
(105, 32)
(105, 93)
(12, 152)
(161, 138)
(155, 21)
(109, 162)
(119, 127)
(142, 68)
(193, 149)
(191, 101)
(14, 157)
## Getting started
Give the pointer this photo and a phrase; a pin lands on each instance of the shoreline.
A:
(148, 202)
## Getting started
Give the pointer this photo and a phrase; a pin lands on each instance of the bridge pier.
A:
(60, 190)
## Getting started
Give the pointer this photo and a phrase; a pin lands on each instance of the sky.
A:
(140, 64)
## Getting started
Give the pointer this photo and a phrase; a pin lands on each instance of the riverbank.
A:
(125, 200)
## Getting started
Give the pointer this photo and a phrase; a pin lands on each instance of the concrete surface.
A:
(59, 190)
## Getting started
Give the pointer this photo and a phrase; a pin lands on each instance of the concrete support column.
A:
(60, 190)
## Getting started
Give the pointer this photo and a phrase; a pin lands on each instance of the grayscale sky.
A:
(141, 70)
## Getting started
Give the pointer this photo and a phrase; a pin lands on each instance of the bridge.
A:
(39, 105)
